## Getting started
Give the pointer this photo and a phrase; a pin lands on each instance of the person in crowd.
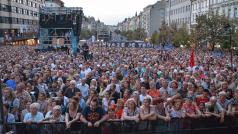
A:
(55, 116)
(113, 93)
(131, 111)
(213, 108)
(92, 95)
(34, 116)
(190, 108)
(25, 111)
(71, 89)
(13, 102)
(72, 116)
(153, 92)
(22, 95)
(84, 88)
(203, 98)
(173, 91)
(107, 101)
(93, 116)
(124, 73)
(161, 110)
(8, 118)
(82, 102)
(143, 94)
(233, 105)
(43, 102)
(119, 108)
(147, 111)
(176, 110)
(223, 101)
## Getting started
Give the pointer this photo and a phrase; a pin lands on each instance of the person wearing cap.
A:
(190, 108)
(213, 108)
(147, 111)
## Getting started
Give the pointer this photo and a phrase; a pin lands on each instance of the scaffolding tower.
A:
(60, 26)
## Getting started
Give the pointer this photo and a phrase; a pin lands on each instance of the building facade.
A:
(19, 21)
(150, 19)
(54, 3)
(178, 13)
(228, 8)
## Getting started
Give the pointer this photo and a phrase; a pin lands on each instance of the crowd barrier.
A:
(174, 126)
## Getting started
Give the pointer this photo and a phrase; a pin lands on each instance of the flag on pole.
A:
(192, 60)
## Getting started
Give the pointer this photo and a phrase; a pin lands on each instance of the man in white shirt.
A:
(84, 88)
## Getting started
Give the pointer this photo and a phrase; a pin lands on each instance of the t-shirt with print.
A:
(93, 116)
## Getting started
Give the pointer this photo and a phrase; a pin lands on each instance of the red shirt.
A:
(201, 99)
(191, 109)
(119, 113)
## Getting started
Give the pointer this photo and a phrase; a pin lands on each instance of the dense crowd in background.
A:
(116, 84)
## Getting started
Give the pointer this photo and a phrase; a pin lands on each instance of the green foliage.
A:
(155, 38)
(86, 34)
(138, 34)
(210, 28)
(164, 33)
(181, 37)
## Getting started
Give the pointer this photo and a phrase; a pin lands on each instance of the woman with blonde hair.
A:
(131, 112)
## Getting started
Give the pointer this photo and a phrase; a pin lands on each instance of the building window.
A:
(229, 13)
(235, 12)
(25, 11)
(19, 11)
(14, 9)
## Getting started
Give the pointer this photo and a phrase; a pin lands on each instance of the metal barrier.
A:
(174, 126)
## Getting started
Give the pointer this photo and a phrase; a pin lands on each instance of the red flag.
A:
(192, 60)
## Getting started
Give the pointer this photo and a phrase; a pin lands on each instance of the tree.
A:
(165, 33)
(117, 31)
(87, 34)
(155, 38)
(209, 28)
(139, 34)
(181, 37)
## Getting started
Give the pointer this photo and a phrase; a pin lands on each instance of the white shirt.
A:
(83, 89)
(86, 71)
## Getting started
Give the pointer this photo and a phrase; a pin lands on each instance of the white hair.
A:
(35, 105)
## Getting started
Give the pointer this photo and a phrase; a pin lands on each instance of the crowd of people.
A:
(116, 84)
